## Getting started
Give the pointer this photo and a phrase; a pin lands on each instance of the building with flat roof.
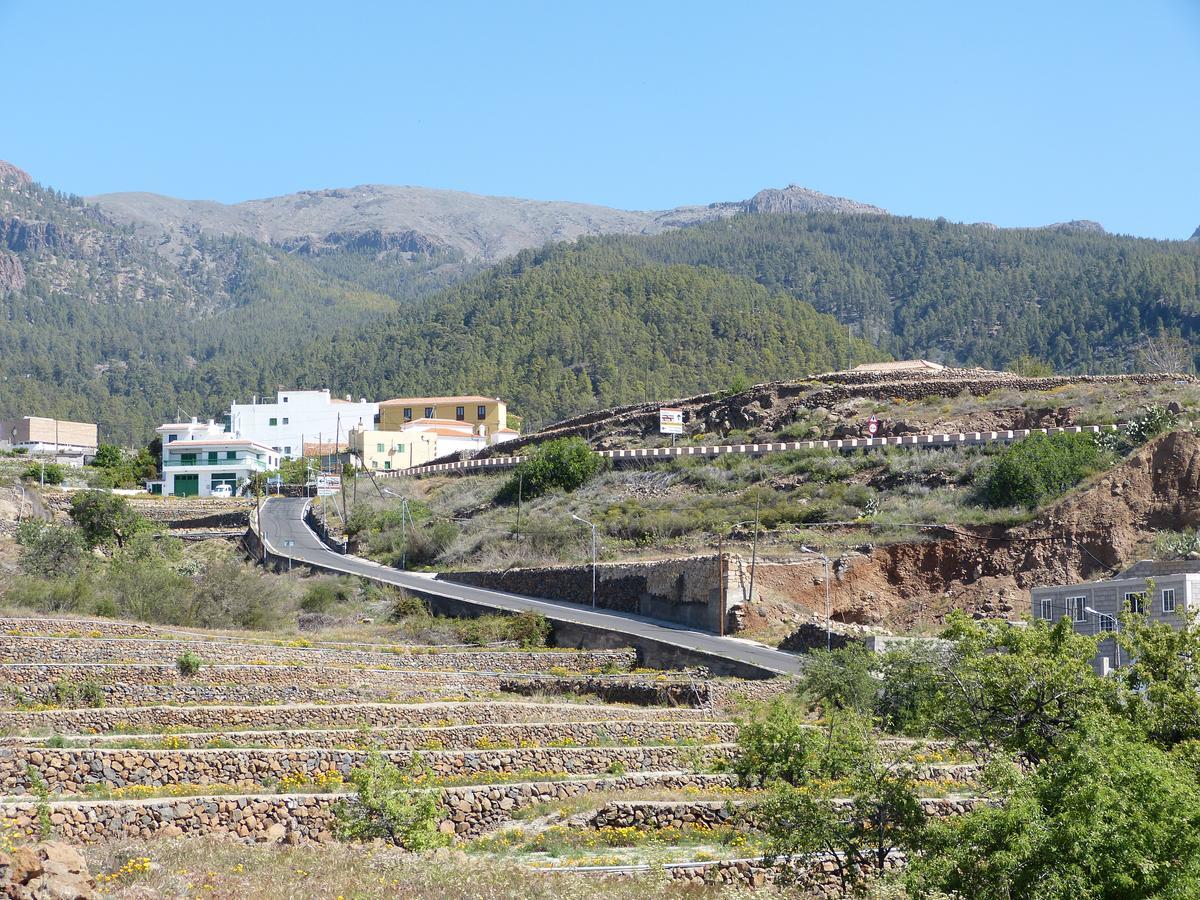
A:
(37, 434)
(1163, 591)
(297, 418)
(200, 458)
(489, 412)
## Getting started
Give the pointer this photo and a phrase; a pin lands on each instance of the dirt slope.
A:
(1089, 534)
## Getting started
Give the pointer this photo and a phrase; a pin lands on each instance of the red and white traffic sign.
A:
(872, 426)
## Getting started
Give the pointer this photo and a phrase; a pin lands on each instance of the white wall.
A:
(309, 415)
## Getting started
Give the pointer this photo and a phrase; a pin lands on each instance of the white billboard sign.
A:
(328, 485)
(670, 421)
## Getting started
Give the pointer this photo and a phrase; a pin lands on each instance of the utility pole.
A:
(754, 548)
(593, 527)
(520, 490)
(404, 517)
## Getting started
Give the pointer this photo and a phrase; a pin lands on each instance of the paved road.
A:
(287, 535)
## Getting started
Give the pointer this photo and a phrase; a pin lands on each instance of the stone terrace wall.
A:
(68, 771)
(652, 814)
(693, 692)
(420, 687)
(175, 512)
(686, 591)
(309, 817)
(63, 627)
(165, 652)
(540, 734)
(212, 718)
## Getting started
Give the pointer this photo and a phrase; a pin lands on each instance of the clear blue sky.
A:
(1011, 112)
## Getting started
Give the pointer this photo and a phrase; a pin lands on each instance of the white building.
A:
(198, 457)
(300, 417)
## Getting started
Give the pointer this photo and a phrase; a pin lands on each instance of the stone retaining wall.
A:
(70, 771)
(694, 692)
(452, 737)
(653, 814)
(418, 689)
(293, 818)
(76, 627)
(686, 591)
(124, 650)
(213, 718)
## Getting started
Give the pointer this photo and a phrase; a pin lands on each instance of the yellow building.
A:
(380, 449)
(472, 410)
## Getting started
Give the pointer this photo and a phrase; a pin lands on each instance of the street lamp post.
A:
(1100, 617)
(828, 604)
(593, 527)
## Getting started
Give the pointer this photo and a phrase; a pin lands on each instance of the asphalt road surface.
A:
(287, 535)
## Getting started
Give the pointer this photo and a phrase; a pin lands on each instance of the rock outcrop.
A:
(49, 871)
(12, 273)
(11, 175)
(797, 199)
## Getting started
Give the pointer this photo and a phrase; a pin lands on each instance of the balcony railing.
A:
(236, 463)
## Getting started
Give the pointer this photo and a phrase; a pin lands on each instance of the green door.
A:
(187, 485)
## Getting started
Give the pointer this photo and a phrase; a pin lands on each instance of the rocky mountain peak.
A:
(1086, 226)
(1195, 234)
(10, 174)
(797, 199)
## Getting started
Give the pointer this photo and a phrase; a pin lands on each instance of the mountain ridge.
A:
(482, 227)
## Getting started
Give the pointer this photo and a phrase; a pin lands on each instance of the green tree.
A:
(1108, 816)
(1040, 467)
(390, 804)
(105, 518)
(1016, 688)
(50, 550)
(108, 456)
(855, 822)
(564, 463)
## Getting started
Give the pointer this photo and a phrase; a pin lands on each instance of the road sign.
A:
(872, 426)
(328, 485)
(670, 420)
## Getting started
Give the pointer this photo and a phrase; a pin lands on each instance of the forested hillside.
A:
(971, 294)
(95, 325)
(575, 328)
(98, 322)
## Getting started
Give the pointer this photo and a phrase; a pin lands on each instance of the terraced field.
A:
(105, 743)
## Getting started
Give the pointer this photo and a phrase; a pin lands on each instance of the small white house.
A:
(300, 417)
(201, 459)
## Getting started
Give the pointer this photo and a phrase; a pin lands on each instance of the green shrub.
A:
(325, 594)
(1041, 467)
(529, 629)
(1149, 423)
(188, 663)
(50, 550)
(390, 804)
(407, 606)
(51, 473)
(565, 463)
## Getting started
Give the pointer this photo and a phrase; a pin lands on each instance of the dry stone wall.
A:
(686, 591)
(458, 737)
(213, 718)
(71, 770)
(654, 814)
(165, 652)
(309, 817)
(695, 692)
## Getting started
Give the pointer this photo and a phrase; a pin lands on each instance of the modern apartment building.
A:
(37, 434)
(299, 417)
(1163, 591)
(199, 458)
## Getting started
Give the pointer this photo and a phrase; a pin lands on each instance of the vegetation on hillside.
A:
(1090, 784)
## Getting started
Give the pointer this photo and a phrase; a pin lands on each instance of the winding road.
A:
(286, 535)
